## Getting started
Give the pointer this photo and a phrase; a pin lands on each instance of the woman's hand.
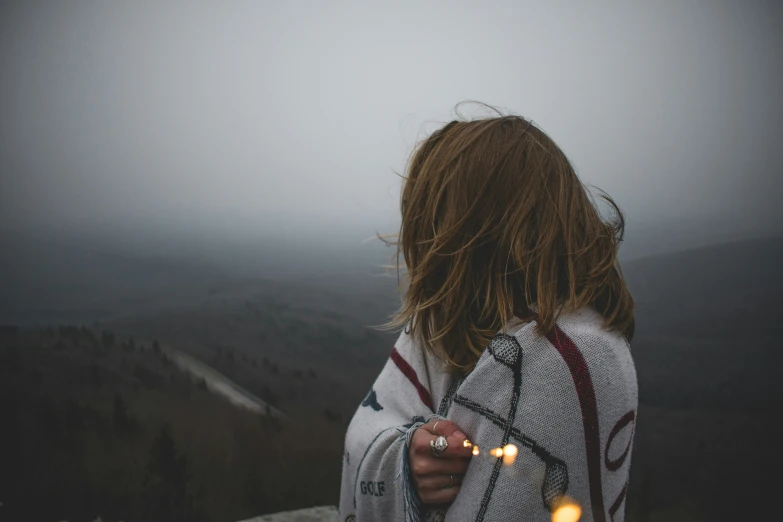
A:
(437, 479)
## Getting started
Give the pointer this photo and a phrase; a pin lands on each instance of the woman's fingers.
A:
(424, 466)
(434, 494)
(444, 427)
(456, 446)
(437, 479)
(438, 482)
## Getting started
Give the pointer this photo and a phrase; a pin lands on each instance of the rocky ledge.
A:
(314, 514)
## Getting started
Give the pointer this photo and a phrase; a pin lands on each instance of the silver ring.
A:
(451, 484)
(439, 445)
(435, 426)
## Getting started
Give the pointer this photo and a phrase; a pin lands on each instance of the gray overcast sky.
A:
(241, 118)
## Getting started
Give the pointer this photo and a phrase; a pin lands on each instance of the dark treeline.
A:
(98, 425)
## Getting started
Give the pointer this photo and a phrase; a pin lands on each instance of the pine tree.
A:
(95, 376)
(120, 418)
(108, 339)
(166, 480)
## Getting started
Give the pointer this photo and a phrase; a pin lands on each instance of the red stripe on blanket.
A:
(410, 373)
(617, 503)
(584, 388)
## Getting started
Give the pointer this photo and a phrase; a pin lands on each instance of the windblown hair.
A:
(495, 220)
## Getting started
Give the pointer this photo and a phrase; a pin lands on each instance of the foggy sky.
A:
(246, 118)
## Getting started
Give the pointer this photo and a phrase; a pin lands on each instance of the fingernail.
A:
(460, 435)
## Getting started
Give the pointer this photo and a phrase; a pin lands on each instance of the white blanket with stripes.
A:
(568, 402)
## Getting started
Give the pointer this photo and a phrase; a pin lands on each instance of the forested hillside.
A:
(97, 421)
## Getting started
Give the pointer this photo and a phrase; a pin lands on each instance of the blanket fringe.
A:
(411, 501)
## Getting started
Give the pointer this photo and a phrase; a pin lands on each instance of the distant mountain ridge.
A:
(707, 352)
(719, 283)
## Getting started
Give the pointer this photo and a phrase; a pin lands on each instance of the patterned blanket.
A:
(567, 401)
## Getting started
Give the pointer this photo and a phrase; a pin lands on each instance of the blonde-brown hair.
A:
(494, 220)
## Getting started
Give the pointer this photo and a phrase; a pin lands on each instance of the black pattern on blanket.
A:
(567, 401)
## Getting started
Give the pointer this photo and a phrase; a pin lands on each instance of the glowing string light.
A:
(567, 511)
(509, 454)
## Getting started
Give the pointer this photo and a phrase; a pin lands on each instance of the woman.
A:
(511, 390)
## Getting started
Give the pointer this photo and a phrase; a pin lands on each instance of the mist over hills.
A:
(48, 280)
(708, 328)
(707, 347)
(707, 353)
(719, 283)
(696, 308)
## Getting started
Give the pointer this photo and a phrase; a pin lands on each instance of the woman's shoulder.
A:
(585, 326)
(581, 337)
(588, 325)
(606, 353)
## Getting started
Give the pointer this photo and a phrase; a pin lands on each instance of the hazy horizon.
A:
(180, 126)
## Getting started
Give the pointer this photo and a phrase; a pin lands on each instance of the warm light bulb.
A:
(496, 452)
(509, 454)
(466, 443)
(475, 450)
(567, 512)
